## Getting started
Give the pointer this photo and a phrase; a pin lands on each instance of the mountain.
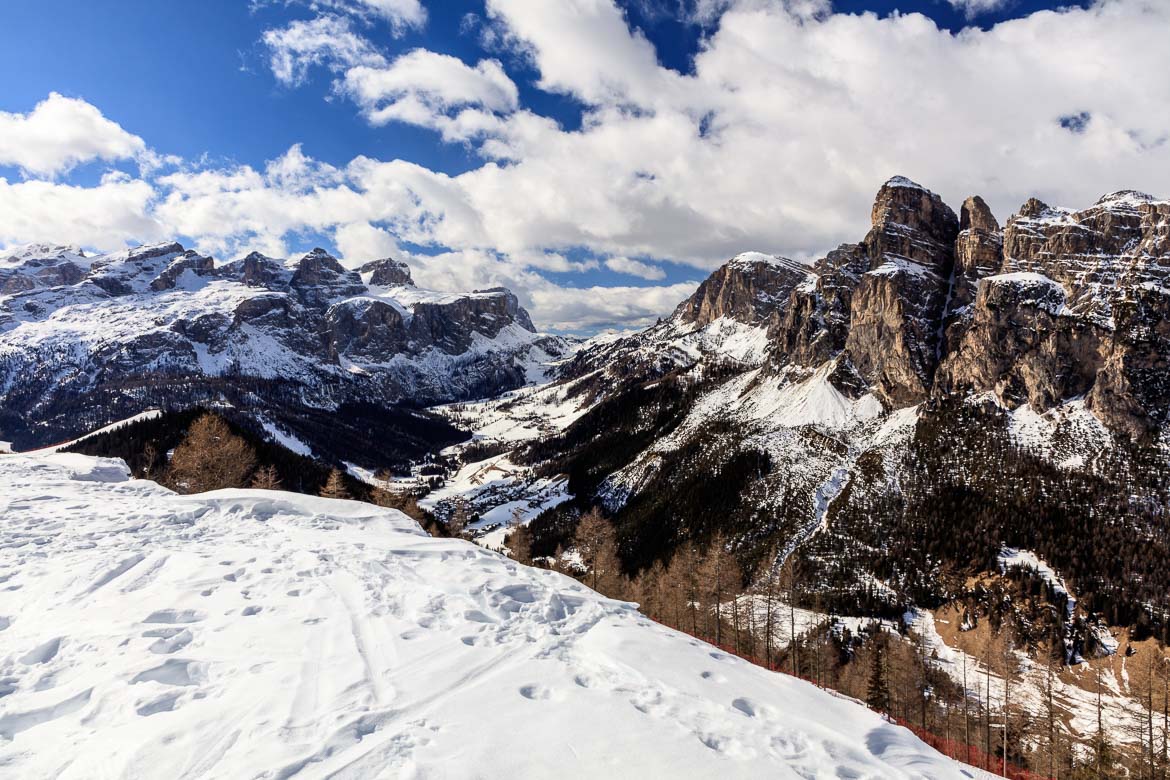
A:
(888, 414)
(87, 340)
(248, 633)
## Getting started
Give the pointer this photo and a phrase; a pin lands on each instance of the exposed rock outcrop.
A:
(387, 272)
(898, 304)
(750, 289)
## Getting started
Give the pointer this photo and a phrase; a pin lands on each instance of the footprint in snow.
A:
(476, 616)
(171, 616)
(535, 692)
(746, 706)
(164, 703)
(42, 653)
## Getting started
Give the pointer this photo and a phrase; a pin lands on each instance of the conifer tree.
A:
(266, 478)
(596, 543)
(877, 695)
(519, 542)
(335, 486)
(210, 457)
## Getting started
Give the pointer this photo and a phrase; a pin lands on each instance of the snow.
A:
(902, 181)
(1014, 558)
(813, 401)
(252, 633)
(748, 259)
(502, 493)
(408, 296)
(893, 265)
(1069, 435)
(195, 326)
(149, 414)
(286, 439)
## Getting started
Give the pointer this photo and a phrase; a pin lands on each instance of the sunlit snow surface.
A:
(244, 634)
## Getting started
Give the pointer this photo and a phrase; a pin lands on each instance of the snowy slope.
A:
(263, 634)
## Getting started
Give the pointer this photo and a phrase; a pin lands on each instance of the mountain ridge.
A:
(84, 340)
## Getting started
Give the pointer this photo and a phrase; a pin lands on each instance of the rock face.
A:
(931, 305)
(1078, 306)
(978, 251)
(896, 308)
(749, 289)
(387, 273)
(87, 339)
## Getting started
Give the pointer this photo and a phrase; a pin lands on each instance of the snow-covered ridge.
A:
(264, 634)
(70, 325)
(749, 259)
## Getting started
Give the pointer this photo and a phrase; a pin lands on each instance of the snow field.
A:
(247, 633)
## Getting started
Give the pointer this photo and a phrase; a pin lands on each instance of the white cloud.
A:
(624, 265)
(973, 8)
(425, 88)
(62, 132)
(107, 216)
(402, 15)
(585, 48)
(360, 242)
(596, 308)
(328, 41)
(794, 116)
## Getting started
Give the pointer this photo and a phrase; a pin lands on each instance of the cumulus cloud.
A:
(973, 8)
(624, 265)
(424, 88)
(61, 133)
(327, 41)
(793, 117)
(108, 216)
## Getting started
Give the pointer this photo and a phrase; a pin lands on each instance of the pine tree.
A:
(335, 486)
(266, 478)
(877, 695)
(210, 457)
(719, 579)
(519, 543)
(596, 543)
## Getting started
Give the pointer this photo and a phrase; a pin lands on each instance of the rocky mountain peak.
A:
(748, 288)
(896, 308)
(320, 277)
(978, 250)
(1126, 197)
(975, 214)
(387, 272)
(910, 221)
(1034, 207)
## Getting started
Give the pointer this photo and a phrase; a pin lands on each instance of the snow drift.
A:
(263, 634)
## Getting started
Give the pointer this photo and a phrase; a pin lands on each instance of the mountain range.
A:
(89, 339)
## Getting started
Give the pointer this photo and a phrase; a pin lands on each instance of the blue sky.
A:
(600, 159)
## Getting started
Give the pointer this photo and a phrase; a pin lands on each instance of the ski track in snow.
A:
(259, 634)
